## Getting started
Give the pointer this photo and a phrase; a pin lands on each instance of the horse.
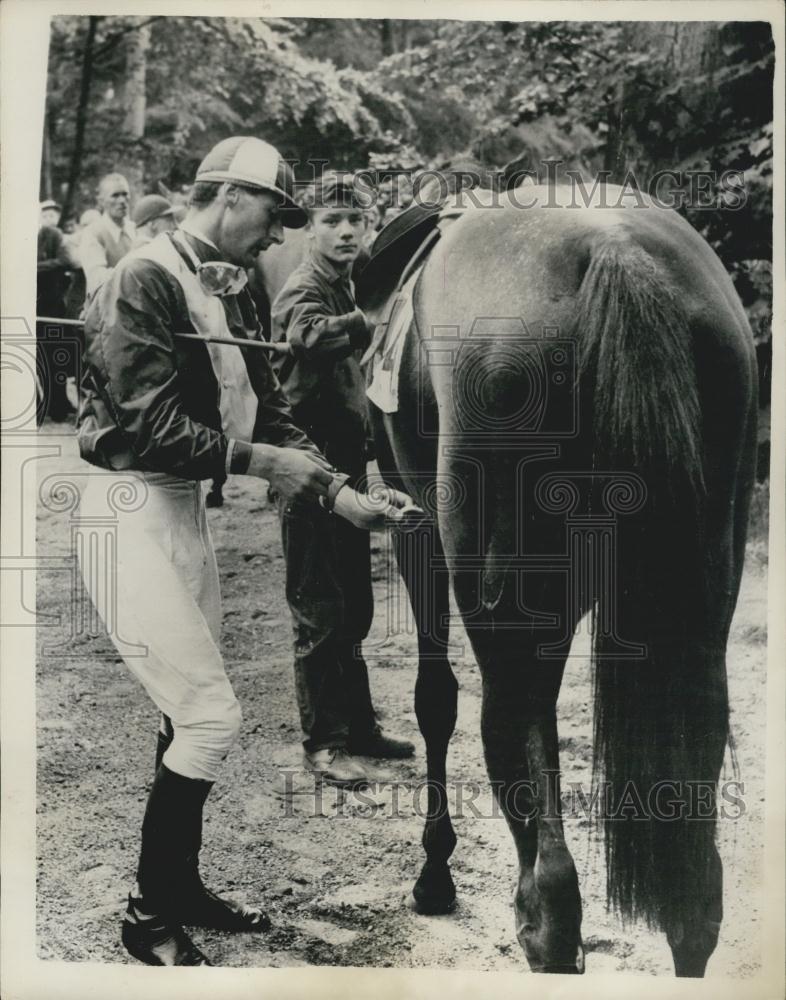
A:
(577, 409)
(576, 414)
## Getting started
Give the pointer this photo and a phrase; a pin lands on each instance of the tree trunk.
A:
(386, 37)
(690, 48)
(136, 46)
(614, 158)
(46, 161)
(696, 50)
(81, 116)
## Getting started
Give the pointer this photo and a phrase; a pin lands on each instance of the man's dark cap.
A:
(337, 190)
(151, 207)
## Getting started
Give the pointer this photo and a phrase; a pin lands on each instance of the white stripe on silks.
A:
(238, 401)
(255, 158)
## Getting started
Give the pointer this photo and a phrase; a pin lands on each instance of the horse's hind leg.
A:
(693, 941)
(519, 730)
(692, 924)
(436, 697)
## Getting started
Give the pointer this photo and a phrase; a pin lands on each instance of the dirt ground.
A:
(334, 874)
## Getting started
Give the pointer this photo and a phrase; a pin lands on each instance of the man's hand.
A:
(375, 510)
(292, 473)
(381, 507)
(398, 499)
(362, 510)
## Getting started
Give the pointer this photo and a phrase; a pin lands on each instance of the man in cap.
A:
(329, 561)
(50, 212)
(106, 241)
(172, 412)
(152, 215)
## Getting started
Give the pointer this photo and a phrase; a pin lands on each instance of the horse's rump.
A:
(576, 343)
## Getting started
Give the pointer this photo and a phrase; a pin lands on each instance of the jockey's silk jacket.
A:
(154, 402)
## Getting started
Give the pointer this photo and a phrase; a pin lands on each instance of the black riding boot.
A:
(171, 892)
(198, 906)
(151, 932)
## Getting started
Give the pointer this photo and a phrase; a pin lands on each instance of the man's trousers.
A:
(329, 592)
(158, 589)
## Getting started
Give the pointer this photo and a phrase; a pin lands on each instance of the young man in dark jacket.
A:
(328, 560)
(160, 413)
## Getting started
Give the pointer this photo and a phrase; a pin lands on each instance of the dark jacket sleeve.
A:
(129, 335)
(300, 315)
(52, 251)
(274, 424)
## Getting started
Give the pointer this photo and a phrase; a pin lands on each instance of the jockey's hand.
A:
(364, 510)
(292, 473)
(398, 499)
(377, 490)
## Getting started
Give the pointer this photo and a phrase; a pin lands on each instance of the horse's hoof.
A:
(429, 907)
(577, 969)
(434, 892)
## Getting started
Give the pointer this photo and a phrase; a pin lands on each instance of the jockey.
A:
(165, 413)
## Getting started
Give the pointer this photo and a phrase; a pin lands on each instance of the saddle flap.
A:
(387, 348)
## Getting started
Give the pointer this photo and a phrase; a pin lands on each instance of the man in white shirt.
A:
(107, 240)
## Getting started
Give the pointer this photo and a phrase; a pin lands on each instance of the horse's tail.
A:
(659, 716)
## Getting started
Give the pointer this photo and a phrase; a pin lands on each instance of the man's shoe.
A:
(155, 941)
(204, 908)
(215, 498)
(336, 767)
(376, 744)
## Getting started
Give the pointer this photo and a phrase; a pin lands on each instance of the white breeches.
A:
(160, 591)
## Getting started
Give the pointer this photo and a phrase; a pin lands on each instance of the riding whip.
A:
(264, 345)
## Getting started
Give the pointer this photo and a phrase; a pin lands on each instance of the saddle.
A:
(390, 278)
(395, 246)
(401, 244)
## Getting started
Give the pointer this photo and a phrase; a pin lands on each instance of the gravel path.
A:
(334, 872)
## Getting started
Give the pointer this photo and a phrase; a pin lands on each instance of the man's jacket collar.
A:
(326, 268)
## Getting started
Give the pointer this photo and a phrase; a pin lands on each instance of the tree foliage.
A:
(639, 97)
(624, 96)
(208, 78)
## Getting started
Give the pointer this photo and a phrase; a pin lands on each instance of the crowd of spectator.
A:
(74, 258)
